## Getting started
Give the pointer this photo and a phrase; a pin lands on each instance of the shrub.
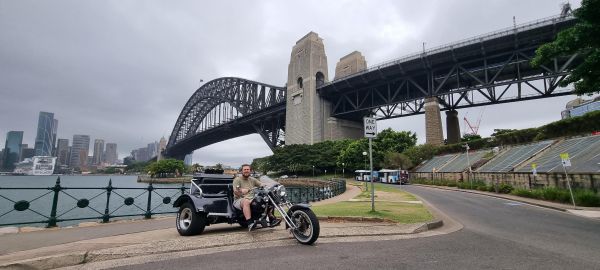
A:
(523, 193)
(505, 188)
(586, 198)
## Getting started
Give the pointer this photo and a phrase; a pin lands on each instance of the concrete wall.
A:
(520, 180)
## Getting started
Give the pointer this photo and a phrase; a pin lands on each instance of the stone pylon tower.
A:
(307, 119)
(433, 122)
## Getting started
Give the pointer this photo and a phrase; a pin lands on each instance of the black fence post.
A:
(106, 216)
(56, 189)
(182, 188)
(149, 206)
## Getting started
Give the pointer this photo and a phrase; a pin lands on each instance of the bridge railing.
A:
(464, 42)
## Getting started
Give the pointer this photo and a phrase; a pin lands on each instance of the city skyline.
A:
(112, 77)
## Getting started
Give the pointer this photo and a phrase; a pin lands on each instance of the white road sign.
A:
(370, 127)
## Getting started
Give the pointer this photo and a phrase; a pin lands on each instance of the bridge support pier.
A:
(452, 127)
(433, 122)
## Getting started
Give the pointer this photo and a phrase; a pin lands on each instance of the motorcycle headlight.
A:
(281, 191)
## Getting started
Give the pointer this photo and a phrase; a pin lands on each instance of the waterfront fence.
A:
(106, 203)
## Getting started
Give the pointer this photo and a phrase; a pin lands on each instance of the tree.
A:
(502, 131)
(389, 140)
(584, 39)
(470, 137)
(420, 153)
(166, 168)
(394, 160)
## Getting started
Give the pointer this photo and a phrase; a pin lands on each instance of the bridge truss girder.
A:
(225, 104)
(485, 80)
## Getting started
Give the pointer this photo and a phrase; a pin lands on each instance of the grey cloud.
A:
(122, 70)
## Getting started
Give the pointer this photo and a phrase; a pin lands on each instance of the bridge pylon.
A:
(308, 119)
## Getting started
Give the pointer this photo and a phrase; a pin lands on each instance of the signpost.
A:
(371, 132)
(566, 162)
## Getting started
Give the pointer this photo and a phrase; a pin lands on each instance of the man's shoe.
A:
(275, 221)
(251, 225)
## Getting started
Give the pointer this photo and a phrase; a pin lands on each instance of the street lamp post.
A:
(313, 170)
(469, 165)
(343, 170)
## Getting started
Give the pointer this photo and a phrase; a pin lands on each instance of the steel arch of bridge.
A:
(234, 105)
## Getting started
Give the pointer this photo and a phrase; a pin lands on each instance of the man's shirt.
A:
(247, 183)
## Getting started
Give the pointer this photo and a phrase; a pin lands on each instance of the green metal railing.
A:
(316, 191)
(64, 201)
(60, 193)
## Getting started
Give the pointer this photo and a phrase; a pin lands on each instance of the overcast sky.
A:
(122, 70)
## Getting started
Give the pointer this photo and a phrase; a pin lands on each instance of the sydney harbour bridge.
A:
(493, 68)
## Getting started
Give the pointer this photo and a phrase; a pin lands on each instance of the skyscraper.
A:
(187, 160)
(79, 151)
(12, 149)
(62, 152)
(46, 134)
(162, 145)
(110, 153)
(98, 152)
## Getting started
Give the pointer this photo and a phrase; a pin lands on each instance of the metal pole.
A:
(569, 185)
(371, 163)
(149, 205)
(56, 189)
(106, 216)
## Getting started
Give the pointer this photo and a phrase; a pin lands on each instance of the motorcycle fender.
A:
(186, 198)
(294, 208)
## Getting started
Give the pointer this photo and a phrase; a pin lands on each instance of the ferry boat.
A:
(38, 165)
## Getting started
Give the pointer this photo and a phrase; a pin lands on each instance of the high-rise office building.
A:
(46, 134)
(162, 145)
(27, 153)
(187, 160)
(79, 151)
(62, 152)
(54, 130)
(12, 150)
(98, 152)
(21, 148)
(151, 149)
(110, 153)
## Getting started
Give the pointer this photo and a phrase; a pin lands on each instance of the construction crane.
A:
(470, 129)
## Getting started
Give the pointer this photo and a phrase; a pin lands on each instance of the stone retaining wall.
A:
(521, 180)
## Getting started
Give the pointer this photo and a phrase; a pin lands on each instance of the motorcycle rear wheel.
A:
(188, 221)
(307, 225)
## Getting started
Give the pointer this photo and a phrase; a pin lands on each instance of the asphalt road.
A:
(497, 234)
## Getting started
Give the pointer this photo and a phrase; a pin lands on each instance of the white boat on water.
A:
(38, 165)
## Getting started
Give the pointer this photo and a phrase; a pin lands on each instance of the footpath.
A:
(122, 243)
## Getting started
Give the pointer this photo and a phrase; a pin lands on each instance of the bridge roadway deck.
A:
(481, 63)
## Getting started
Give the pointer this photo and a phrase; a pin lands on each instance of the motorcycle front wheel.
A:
(307, 225)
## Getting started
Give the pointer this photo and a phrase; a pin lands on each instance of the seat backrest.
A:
(214, 184)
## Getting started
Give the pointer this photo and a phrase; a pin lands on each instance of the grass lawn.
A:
(392, 205)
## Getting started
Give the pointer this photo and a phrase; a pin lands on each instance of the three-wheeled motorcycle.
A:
(210, 201)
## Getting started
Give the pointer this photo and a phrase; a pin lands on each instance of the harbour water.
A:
(70, 200)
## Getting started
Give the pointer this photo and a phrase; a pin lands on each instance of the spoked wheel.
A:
(308, 226)
(189, 222)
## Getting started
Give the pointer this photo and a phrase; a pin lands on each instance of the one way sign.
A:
(370, 127)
